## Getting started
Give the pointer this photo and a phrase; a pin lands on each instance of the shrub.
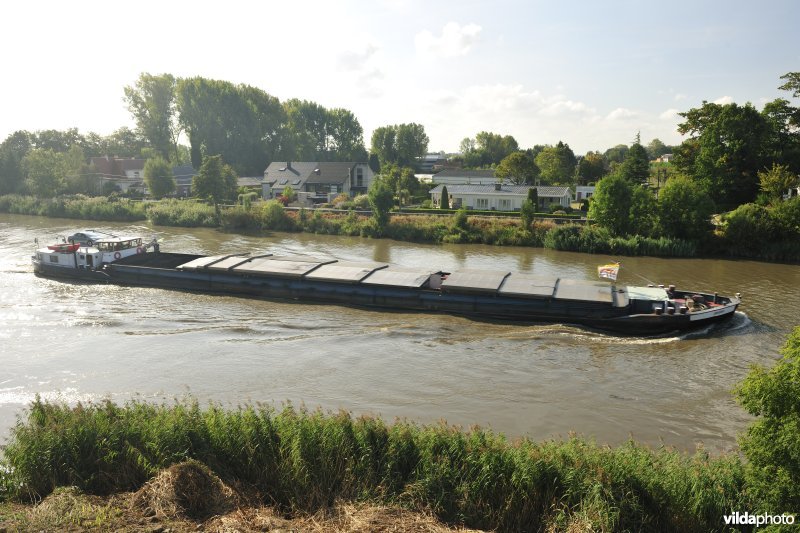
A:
(772, 442)
(273, 217)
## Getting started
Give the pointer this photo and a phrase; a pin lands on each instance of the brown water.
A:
(88, 342)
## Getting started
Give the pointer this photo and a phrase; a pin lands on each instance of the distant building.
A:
(459, 176)
(665, 158)
(123, 172)
(584, 192)
(431, 163)
(183, 174)
(499, 197)
(321, 181)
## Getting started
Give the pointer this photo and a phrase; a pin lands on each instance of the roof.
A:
(461, 173)
(244, 181)
(551, 192)
(288, 172)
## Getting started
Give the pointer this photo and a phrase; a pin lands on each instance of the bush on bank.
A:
(302, 460)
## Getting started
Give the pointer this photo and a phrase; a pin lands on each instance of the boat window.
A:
(54, 259)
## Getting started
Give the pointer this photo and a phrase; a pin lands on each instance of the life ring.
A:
(117, 255)
(89, 242)
(139, 250)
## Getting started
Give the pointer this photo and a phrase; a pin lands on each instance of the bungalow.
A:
(321, 180)
(584, 192)
(499, 197)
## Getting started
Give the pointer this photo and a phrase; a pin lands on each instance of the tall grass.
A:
(182, 213)
(598, 240)
(301, 460)
(78, 207)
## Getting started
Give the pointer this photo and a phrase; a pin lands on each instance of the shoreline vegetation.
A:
(183, 460)
(747, 232)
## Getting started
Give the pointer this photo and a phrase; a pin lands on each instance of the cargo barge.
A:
(484, 294)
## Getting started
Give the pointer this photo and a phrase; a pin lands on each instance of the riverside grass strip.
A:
(303, 461)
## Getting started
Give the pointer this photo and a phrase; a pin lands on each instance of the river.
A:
(79, 342)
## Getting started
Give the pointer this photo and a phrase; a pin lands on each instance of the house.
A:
(123, 172)
(321, 181)
(459, 176)
(183, 174)
(499, 197)
(584, 192)
(430, 163)
(665, 158)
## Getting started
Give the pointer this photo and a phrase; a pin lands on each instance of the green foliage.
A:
(301, 460)
(151, 101)
(182, 213)
(76, 207)
(487, 149)
(289, 194)
(772, 442)
(776, 181)
(274, 217)
(644, 212)
(314, 133)
(685, 209)
(528, 212)
(599, 240)
(241, 123)
(592, 167)
(636, 166)
(47, 171)
(381, 201)
(770, 233)
(611, 204)
(557, 164)
(444, 202)
(158, 177)
(727, 149)
(215, 181)
(399, 144)
(518, 168)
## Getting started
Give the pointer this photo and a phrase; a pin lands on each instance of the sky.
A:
(588, 73)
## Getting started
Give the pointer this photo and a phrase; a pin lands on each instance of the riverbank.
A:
(304, 463)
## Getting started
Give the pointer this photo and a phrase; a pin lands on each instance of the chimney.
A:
(288, 165)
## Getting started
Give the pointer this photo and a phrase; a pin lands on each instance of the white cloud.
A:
(622, 113)
(455, 40)
(724, 100)
(356, 59)
(680, 96)
(669, 114)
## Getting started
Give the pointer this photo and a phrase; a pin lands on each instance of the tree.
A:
(592, 167)
(684, 209)
(636, 166)
(151, 101)
(400, 144)
(215, 181)
(777, 181)
(346, 136)
(616, 154)
(771, 442)
(381, 201)
(792, 84)
(241, 123)
(557, 164)
(643, 215)
(487, 149)
(444, 203)
(726, 150)
(656, 149)
(518, 168)
(158, 177)
(13, 150)
(611, 204)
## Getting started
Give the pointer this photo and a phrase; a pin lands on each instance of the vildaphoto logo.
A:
(747, 519)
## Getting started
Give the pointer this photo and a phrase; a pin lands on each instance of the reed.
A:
(78, 207)
(303, 460)
(182, 213)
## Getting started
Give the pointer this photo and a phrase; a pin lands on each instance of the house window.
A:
(505, 204)
(359, 177)
(135, 173)
(482, 203)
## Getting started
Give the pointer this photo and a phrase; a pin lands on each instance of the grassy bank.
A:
(770, 237)
(303, 461)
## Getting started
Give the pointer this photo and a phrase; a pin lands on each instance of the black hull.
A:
(159, 270)
(79, 274)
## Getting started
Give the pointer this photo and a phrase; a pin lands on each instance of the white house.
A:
(499, 197)
(584, 192)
